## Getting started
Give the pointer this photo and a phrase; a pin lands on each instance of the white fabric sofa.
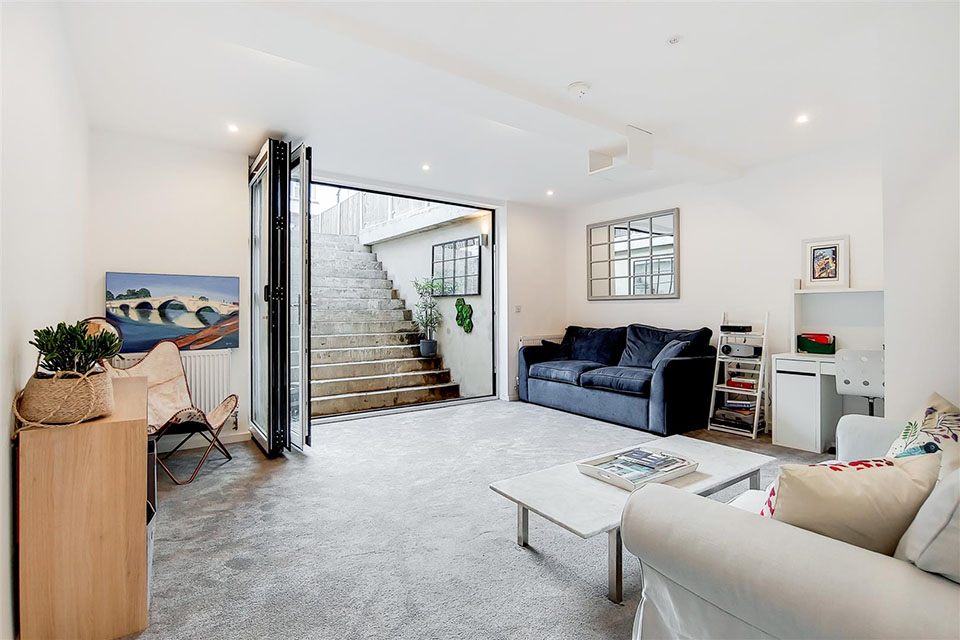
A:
(713, 571)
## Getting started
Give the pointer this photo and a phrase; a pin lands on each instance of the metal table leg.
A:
(615, 566)
(523, 521)
(755, 480)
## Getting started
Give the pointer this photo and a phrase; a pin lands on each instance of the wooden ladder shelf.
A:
(746, 406)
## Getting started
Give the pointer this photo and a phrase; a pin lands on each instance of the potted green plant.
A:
(426, 314)
(68, 386)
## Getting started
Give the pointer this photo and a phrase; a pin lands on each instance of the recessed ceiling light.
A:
(549, 192)
(578, 89)
(803, 118)
(425, 167)
(673, 40)
(232, 128)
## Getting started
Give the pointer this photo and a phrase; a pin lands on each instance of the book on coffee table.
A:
(634, 468)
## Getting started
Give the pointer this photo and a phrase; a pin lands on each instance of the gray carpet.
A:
(386, 528)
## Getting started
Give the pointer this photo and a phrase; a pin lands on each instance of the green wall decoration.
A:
(464, 315)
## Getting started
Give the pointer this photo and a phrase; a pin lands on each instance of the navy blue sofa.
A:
(658, 380)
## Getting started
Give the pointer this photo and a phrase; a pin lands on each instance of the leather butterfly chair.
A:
(170, 408)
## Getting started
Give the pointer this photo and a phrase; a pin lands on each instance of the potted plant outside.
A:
(68, 385)
(426, 314)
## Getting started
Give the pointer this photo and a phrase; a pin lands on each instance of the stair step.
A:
(340, 282)
(342, 271)
(372, 368)
(329, 254)
(364, 354)
(338, 265)
(350, 402)
(318, 292)
(360, 315)
(341, 386)
(340, 243)
(373, 326)
(346, 340)
(356, 304)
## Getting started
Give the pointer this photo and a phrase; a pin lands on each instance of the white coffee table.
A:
(588, 507)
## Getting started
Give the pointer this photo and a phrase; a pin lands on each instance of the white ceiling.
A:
(479, 90)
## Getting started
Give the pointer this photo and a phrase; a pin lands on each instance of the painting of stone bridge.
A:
(196, 312)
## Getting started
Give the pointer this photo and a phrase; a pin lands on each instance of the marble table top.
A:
(587, 506)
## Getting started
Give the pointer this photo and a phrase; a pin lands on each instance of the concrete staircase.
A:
(364, 350)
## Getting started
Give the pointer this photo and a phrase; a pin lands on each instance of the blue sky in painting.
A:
(219, 288)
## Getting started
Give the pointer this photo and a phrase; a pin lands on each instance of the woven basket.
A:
(65, 398)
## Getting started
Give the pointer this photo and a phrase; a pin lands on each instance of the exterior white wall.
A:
(740, 242)
(469, 356)
(43, 204)
(162, 207)
(921, 181)
(532, 266)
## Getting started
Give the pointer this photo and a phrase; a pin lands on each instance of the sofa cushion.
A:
(633, 380)
(672, 349)
(596, 345)
(932, 541)
(567, 371)
(643, 343)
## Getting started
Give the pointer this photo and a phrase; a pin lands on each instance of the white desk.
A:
(806, 405)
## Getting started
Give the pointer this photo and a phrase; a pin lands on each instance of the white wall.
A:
(162, 207)
(469, 356)
(921, 181)
(532, 267)
(43, 203)
(739, 242)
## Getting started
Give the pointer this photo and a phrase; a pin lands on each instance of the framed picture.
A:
(196, 312)
(826, 262)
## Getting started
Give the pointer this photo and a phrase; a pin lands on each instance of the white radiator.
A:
(527, 341)
(208, 374)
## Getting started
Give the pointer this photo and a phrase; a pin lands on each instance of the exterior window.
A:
(457, 265)
(634, 258)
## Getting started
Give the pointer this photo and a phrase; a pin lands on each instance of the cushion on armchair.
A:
(932, 542)
(867, 503)
(644, 343)
(935, 428)
(595, 345)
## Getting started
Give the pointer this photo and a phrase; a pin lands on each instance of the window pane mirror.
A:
(457, 265)
(634, 258)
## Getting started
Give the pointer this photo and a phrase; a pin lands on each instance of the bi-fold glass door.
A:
(280, 305)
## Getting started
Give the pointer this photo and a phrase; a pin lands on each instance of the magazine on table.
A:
(634, 468)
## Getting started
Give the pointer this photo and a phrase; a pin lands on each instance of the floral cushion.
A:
(936, 428)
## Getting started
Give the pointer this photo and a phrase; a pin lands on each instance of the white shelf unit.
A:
(749, 367)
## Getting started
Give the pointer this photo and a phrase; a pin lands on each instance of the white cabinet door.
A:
(797, 420)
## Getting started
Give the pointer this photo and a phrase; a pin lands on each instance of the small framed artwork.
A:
(826, 262)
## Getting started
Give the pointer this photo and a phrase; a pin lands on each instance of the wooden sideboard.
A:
(81, 523)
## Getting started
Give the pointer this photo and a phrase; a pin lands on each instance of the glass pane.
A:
(663, 284)
(258, 328)
(473, 266)
(459, 286)
(461, 248)
(295, 289)
(663, 239)
(448, 269)
(618, 231)
(620, 286)
(621, 249)
(600, 252)
(641, 267)
(473, 248)
(448, 251)
(641, 286)
(473, 286)
(600, 288)
(600, 270)
(663, 265)
(438, 253)
(598, 235)
(621, 268)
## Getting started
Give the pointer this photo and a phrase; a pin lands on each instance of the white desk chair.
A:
(860, 373)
